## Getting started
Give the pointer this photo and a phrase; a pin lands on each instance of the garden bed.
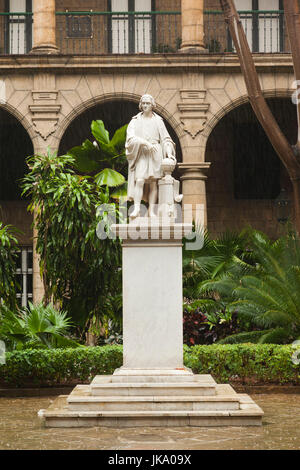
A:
(241, 364)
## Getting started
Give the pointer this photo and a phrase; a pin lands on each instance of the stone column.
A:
(192, 26)
(194, 191)
(44, 27)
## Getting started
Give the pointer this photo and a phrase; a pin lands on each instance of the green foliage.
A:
(79, 270)
(269, 295)
(59, 366)
(248, 363)
(227, 254)
(103, 157)
(36, 326)
(8, 255)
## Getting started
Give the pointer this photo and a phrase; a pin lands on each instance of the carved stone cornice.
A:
(193, 111)
(45, 112)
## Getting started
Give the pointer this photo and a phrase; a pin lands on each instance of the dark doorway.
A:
(15, 146)
(246, 175)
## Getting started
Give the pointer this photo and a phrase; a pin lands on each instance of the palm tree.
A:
(217, 258)
(270, 295)
(35, 326)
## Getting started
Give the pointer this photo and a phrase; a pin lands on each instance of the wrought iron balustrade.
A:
(118, 32)
(97, 33)
(265, 31)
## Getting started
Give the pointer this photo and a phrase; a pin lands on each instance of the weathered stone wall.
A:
(215, 93)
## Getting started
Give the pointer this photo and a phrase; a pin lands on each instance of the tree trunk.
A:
(282, 147)
(296, 194)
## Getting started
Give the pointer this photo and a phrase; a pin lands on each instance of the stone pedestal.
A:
(152, 388)
(152, 303)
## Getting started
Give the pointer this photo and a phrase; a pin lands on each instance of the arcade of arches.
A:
(226, 163)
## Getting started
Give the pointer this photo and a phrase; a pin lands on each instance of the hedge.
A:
(248, 363)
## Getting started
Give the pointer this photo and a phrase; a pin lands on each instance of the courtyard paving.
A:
(20, 428)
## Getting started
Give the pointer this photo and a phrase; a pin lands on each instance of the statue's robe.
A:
(141, 163)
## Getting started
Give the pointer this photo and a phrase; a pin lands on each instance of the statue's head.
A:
(147, 98)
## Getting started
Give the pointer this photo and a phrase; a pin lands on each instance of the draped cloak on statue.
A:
(143, 164)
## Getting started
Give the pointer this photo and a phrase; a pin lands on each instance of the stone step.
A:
(152, 389)
(183, 374)
(225, 399)
(145, 376)
(154, 403)
(58, 415)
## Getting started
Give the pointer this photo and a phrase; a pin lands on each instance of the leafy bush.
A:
(59, 366)
(79, 270)
(269, 294)
(205, 328)
(36, 326)
(8, 255)
(249, 363)
(246, 362)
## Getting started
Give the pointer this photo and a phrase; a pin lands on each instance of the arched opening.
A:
(246, 175)
(15, 146)
(114, 114)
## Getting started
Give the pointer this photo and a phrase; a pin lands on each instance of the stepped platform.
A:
(152, 398)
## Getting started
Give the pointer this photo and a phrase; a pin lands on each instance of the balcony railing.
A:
(98, 33)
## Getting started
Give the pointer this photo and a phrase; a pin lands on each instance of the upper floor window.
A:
(18, 27)
(263, 24)
(130, 33)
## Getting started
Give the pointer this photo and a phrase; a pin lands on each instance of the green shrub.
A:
(245, 362)
(249, 363)
(8, 267)
(42, 367)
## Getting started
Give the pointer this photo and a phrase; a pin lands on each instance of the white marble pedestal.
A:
(152, 302)
(152, 388)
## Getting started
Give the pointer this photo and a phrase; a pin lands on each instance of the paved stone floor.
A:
(20, 428)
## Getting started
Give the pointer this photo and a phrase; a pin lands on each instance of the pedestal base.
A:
(157, 397)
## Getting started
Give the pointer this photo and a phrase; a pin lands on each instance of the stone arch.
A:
(16, 143)
(21, 118)
(233, 104)
(110, 97)
(246, 175)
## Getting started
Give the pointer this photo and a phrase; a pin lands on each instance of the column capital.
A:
(193, 170)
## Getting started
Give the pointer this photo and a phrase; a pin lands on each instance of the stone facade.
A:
(194, 92)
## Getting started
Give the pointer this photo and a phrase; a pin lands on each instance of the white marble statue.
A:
(148, 143)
